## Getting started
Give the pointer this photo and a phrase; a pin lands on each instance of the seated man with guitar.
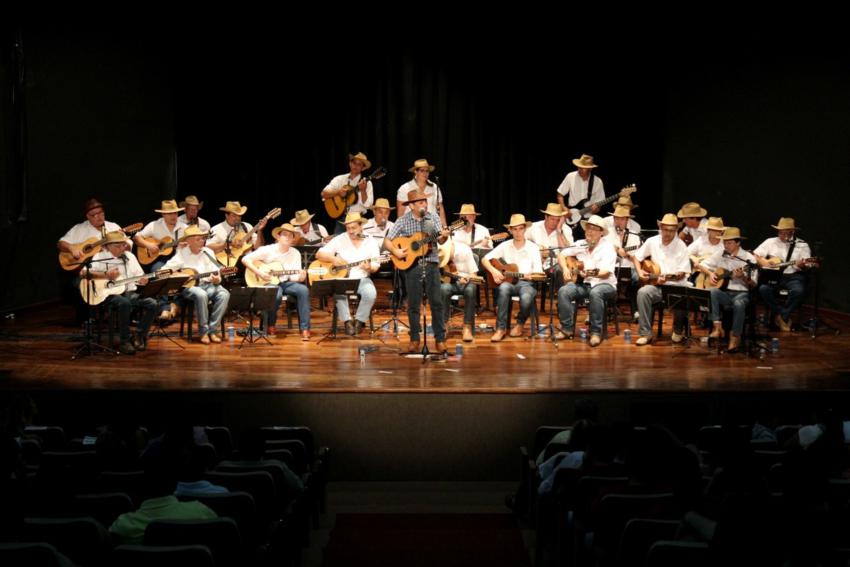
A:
(379, 224)
(72, 248)
(589, 272)
(472, 234)
(669, 266)
(550, 234)
(117, 264)
(732, 276)
(625, 241)
(195, 256)
(158, 239)
(460, 271)
(414, 236)
(350, 192)
(231, 238)
(693, 218)
(792, 256)
(582, 188)
(309, 232)
(362, 254)
(513, 265)
(703, 248)
(192, 207)
(279, 264)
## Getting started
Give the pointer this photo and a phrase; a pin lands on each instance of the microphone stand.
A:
(551, 273)
(89, 346)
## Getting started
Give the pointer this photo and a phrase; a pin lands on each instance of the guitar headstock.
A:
(499, 236)
(132, 228)
(459, 223)
(228, 272)
(273, 214)
(628, 190)
(378, 173)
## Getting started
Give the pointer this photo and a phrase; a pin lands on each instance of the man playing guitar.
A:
(95, 226)
(229, 233)
(581, 186)
(462, 267)
(341, 185)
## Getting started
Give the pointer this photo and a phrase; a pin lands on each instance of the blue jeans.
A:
(124, 304)
(526, 292)
(738, 300)
(795, 284)
(647, 297)
(302, 302)
(597, 294)
(413, 281)
(470, 295)
(367, 292)
(201, 294)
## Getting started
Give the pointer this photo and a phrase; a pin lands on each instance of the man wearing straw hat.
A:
(421, 171)
(167, 226)
(693, 217)
(379, 224)
(707, 245)
(581, 187)
(196, 256)
(551, 232)
(738, 265)
(357, 164)
(224, 233)
(289, 258)
(670, 254)
(472, 234)
(308, 231)
(346, 248)
(192, 207)
(632, 225)
(464, 266)
(420, 219)
(786, 248)
(114, 263)
(598, 261)
(526, 255)
(621, 236)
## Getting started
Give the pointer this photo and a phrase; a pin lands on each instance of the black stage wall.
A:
(752, 127)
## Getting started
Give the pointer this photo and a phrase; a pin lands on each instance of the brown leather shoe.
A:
(516, 331)
(595, 340)
(205, 340)
(717, 332)
(349, 327)
(413, 346)
(441, 347)
(467, 333)
(305, 335)
(215, 338)
(734, 343)
(497, 336)
(783, 325)
(271, 331)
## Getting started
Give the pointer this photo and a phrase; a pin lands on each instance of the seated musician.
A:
(737, 265)
(670, 255)
(625, 241)
(551, 233)
(782, 248)
(420, 219)
(463, 266)
(379, 224)
(693, 218)
(196, 256)
(596, 265)
(283, 253)
(309, 232)
(632, 225)
(230, 232)
(192, 207)
(167, 228)
(706, 246)
(117, 263)
(346, 248)
(95, 226)
(472, 234)
(353, 180)
(526, 256)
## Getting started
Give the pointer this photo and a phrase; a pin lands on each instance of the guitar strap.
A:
(791, 249)
(213, 258)
(583, 203)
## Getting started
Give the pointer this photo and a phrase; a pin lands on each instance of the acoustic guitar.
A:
(574, 266)
(240, 242)
(417, 245)
(575, 215)
(653, 272)
(89, 248)
(327, 271)
(195, 277)
(338, 204)
(778, 264)
(724, 276)
(275, 270)
(498, 237)
(447, 276)
(95, 291)
(511, 273)
(166, 246)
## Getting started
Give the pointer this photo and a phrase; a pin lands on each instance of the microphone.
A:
(436, 180)
(429, 227)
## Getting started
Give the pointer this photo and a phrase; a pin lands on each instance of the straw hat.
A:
(192, 200)
(415, 195)
(362, 157)
(516, 220)
(381, 204)
(468, 209)
(625, 201)
(421, 163)
(670, 219)
(301, 217)
(354, 217)
(584, 162)
(732, 233)
(193, 230)
(234, 207)
(115, 237)
(169, 206)
(285, 226)
(622, 212)
(596, 221)
(715, 223)
(554, 210)
(91, 204)
(691, 210)
(785, 223)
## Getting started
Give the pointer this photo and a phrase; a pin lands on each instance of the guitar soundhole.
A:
(414, 246)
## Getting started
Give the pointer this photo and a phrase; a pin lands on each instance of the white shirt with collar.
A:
(616, 240)
(731, 264)
(527, 258)
(202, 262)
(434, 195)
(698, 232)
(703, 248)
(359, 206)
(223, 232)
(671, 259)
(603, 257)
(464, 259)
(372, 229)
(202, 224)
(632, 225)
(270, 253)
(479, 232)
(157, 230)
(127, 264)
(575, 189)
(775, 248)
(83, 231)
(342, 246)
(313, 236)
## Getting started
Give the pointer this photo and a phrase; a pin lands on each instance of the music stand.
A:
(252, 299)
(324, 288)
(686, 298)
(157, 288)
(90, 346)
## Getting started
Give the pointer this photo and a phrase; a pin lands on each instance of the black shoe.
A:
(358, 326)
(349, 327)
(140, 344)
(126, 347)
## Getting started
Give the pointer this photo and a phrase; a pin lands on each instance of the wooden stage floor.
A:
(36, 349)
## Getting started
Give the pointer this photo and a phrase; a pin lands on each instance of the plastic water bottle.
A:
(231, 333)
(582, 334)
(362, 351)
(458, 350)
(774, 345)
(627, 336)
